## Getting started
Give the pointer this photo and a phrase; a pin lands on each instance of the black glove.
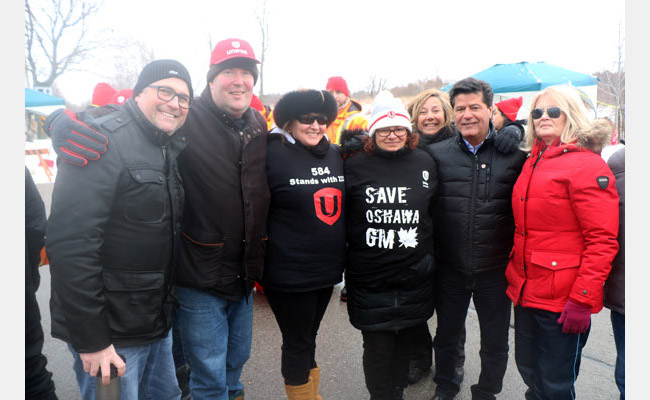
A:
(507, 139)
(73, 141)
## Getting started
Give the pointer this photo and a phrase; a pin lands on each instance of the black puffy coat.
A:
(112, 235)
(615, 285)
(390, 264)
(473, 213)
(227, 200)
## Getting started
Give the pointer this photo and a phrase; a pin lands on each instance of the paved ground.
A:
(339, 354)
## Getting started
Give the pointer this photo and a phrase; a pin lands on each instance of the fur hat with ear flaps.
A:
(301, 102)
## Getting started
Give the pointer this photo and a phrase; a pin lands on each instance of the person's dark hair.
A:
(369, 144)
(472, 85)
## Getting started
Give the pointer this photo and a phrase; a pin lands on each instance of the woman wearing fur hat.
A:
(305, 253)
(390, 188)
(565, 207)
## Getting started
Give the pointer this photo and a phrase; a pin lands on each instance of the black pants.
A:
(298, 315)
(386, 356)
(38, 380)
(488, 289)
(423, 349)
(547, 359)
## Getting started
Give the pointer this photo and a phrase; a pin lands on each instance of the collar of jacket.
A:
(444, 133)
(391, 154)
(156, 135)
(554, 149)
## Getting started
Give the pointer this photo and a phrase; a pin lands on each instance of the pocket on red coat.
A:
(551, 275)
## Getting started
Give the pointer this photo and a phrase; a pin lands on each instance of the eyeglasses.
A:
(309, 119)
(167, 94)
(552, 112)
(385, 132)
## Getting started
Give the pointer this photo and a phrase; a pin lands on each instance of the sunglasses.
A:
(309, 119)
(552, 112)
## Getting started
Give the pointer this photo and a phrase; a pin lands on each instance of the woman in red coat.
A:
(565, 206)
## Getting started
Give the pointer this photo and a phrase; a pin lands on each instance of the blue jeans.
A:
(548, 359)
(150, 373)
(216, 334)
(618, 326)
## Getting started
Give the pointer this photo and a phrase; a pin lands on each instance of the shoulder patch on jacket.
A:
(603, 182)
(114, 123)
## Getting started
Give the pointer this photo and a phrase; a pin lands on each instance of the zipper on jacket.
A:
(164, 152)
(472, 209)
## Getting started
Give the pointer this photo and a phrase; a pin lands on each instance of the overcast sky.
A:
(400, 41)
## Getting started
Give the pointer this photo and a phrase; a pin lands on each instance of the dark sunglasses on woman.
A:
(552, 112)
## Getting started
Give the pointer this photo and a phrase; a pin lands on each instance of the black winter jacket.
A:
(112, 235)
(390, 262)
(227, 200)
(473, 213)
(615, 285)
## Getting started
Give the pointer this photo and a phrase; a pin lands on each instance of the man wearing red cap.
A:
(224, 224)
(347, 107)
(223, 231)
(504, 117)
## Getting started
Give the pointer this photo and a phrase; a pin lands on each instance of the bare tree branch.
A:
(56, 37)
(262, 15)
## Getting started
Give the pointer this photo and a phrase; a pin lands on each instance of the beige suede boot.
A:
(314, 374)
(300, 392)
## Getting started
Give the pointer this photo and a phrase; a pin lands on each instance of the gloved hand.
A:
(74, 141)
(575, 317)
(507, 139)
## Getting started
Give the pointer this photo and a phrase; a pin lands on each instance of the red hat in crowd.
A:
(232, 48)
(121, 96)
(102, 94)
(256, 103)
(338, 83)
(510, 107)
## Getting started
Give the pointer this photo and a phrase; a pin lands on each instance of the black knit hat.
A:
(162, 69)
(300, 102)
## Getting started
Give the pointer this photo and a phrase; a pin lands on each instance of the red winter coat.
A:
(565, 206)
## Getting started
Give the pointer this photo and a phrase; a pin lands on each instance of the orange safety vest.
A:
(335, 128)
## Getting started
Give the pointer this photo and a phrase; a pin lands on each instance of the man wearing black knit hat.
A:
(111, 237)
(223, 232)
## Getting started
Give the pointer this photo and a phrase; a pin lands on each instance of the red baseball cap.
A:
(232, 48)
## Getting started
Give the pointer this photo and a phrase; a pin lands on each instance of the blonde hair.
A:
(569, 101)
(415, 105)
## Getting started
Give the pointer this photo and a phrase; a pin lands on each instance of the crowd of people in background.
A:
(169, 208)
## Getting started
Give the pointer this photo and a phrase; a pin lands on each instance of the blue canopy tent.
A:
(526, 79)
(42, 103)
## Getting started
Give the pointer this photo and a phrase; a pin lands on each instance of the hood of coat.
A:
(595, 138)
